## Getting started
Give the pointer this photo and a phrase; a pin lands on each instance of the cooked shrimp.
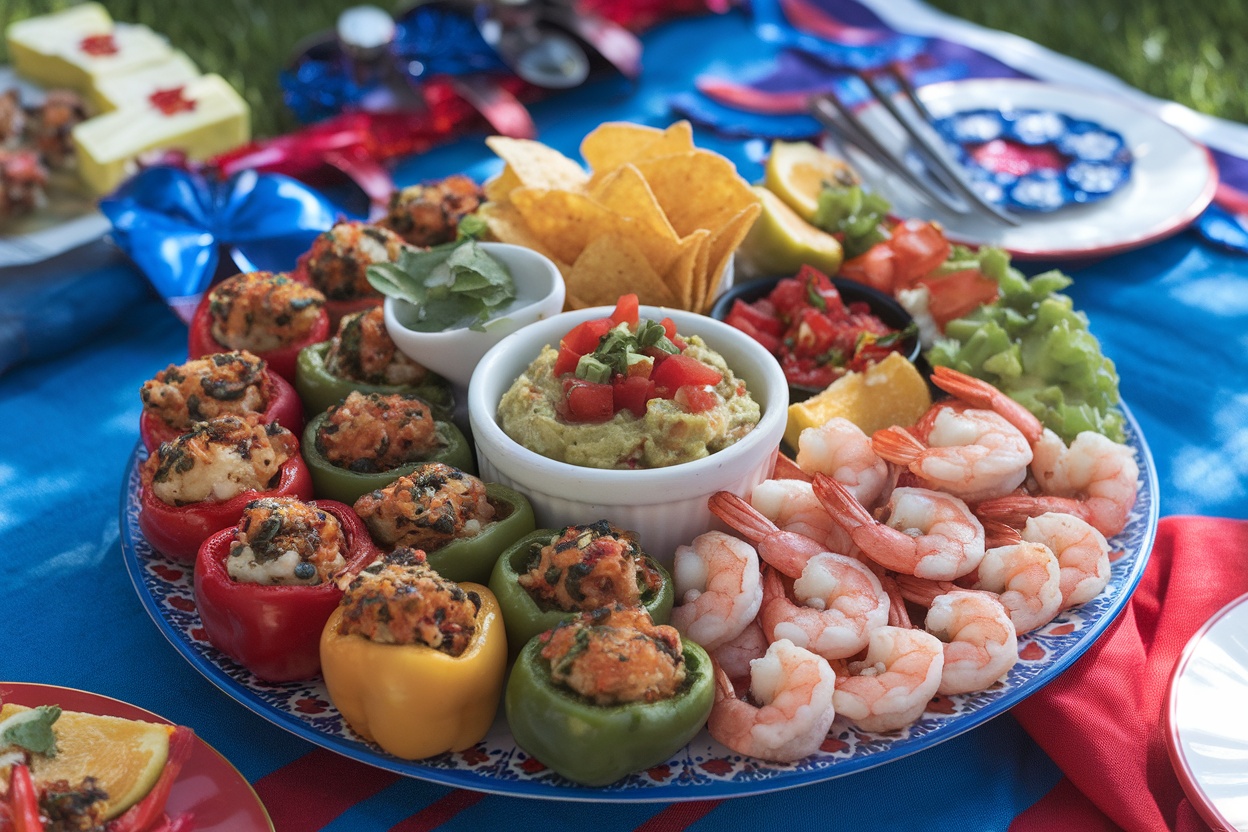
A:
(735, 656)
(841, 450)
(794, 688)
(1027, 578)
(840, 602)
(718, 587)
(793, 507)
(981, 644)
(1095, 479)
(972, 454)
(787, 551)
(1082, 554)
(929, 534)
(979, 393)
(891, 687)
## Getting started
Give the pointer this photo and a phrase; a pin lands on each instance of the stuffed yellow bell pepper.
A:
(415, 662)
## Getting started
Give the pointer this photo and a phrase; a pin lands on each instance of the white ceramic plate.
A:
(1172, 180)
(1207, 718)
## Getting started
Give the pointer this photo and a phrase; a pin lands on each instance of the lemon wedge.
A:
(797, 171)
(781, 241)
(890, 392)
(125, 756)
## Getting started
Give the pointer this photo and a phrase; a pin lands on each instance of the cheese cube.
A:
(113, 92)
(203, 118)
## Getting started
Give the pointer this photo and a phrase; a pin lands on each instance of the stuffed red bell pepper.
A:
(234, 382)
(337, 266)
(265, 587)
(269, 314)
(200, 482)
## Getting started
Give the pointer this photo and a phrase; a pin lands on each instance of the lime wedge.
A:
(781, 242)
(797, 171)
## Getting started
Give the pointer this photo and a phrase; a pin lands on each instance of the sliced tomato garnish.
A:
(566, 362)
(587, 401)
(679, 370)
(919, 248)
(875, 268)
(626, 310)
(631, 393)
(584, 337)
(957, 293)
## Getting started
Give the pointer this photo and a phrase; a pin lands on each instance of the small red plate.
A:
(208, 787)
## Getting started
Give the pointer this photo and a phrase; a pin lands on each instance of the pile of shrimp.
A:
(875, 572)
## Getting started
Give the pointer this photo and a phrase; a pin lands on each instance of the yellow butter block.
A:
(204, 118)
(78, 56)
(36, 44)
(891, 392)
(115, 91)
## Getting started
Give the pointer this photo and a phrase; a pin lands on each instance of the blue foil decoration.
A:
(429, 40)
(173, 223)
(1098, 161)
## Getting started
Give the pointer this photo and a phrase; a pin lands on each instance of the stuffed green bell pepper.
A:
(363, 357)
(608, 693)
(369, 440)
(551, 575)
(462, 524)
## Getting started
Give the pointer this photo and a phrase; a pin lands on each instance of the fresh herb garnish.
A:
(620, 348)
(452, 286)
(31, 730)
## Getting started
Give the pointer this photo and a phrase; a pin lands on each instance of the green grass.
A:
(1188, 52)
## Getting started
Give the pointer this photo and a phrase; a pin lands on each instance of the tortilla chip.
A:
(614, 143)
(698, 189)
(537, 166)
(611, 266)
(507, 226)
(498, 188)
(565, 222)
(723, 245)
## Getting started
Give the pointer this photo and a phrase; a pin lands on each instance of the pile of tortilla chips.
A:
(655, 216)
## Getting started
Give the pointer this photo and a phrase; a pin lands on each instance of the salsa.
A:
(816, 336)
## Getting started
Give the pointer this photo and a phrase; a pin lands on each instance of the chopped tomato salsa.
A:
(816, 336)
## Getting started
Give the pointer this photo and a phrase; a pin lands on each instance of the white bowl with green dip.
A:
(666, 505)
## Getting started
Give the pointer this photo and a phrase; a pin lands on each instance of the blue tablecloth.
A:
(1173, 316)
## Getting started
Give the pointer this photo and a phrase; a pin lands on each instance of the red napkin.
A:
(1101, 720)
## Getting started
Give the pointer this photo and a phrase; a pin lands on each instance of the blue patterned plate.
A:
(704, 769)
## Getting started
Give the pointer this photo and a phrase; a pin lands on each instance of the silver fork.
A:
(948, 185)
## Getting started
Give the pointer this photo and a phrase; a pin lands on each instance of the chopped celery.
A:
(1034, 346)
(854, 213)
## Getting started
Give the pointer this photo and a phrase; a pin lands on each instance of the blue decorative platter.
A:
(704, 769)
(1036, 159)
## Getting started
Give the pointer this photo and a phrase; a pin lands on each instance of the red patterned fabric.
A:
(1101, 721)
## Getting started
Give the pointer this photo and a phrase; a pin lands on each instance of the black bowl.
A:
(888, 310)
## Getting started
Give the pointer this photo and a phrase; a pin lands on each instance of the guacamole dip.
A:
(668, 434)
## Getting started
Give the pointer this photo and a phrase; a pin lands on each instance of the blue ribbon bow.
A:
(172, 223)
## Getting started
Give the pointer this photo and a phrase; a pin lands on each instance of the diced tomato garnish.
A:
(566, 362)
(626, 310)
(587, 401)
(679, 370)
(584, 337)
(669, 328)
(696, 398)
(632, 393)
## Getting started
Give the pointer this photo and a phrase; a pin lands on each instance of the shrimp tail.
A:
(1014, 509)
(840, 503)
(897, 445)
(980, 393)
(788, 469)
(998, 533)
(921, 590)
(741, 516)
(898, 615)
